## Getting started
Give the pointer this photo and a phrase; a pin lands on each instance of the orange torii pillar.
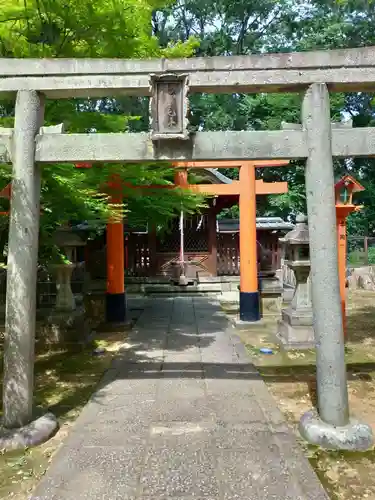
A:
(247, 188)
(249, 290)
(181, 178)
(116, 310)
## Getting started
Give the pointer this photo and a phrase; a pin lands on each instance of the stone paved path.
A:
(181, 414)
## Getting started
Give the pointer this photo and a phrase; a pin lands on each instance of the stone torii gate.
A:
(169, 82)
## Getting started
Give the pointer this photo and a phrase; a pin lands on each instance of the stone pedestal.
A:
(64, 299)
(295, 330)
(67, 327)
(271, 293)
(67, 322)
(182, 274)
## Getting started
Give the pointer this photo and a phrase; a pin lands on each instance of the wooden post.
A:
(212, 239)
(249, 293)
(365, 248)
(152, 242)
(341, 240)
(181, 180)
(22, 264)
(115, 298)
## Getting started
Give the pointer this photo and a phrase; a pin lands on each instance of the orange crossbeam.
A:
(223, 189)
(261, 187)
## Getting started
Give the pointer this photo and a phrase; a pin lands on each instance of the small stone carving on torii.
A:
(169, 106)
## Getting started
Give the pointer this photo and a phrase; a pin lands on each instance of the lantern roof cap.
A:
(347, 179)
(300, 234)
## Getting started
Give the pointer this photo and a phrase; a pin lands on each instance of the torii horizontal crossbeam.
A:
(342, 70)
(203, 146)
(230, 164)
(234, 188)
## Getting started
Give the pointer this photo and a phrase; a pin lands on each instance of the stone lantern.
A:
(67, 322)
(68, 241)
(295, 329)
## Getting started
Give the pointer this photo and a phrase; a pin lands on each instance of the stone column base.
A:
(295, 336)
(36, 432)
(355, 436)
(66, 327)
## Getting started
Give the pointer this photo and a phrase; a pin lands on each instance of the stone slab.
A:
(258, 73)
(295, 337)
(202, 430)
(202, 146)
(297, 318)
(239, 324)
(359, 57)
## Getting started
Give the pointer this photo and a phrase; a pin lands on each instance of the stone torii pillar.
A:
(331, 426)
(22, 279)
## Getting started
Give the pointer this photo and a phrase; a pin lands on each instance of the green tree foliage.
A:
(233, 28)
(83, 28)
(122, 28)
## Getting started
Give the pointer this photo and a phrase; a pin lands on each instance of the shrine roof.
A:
(223, 225)
(216, 174)
(262, 223)
(347, 178)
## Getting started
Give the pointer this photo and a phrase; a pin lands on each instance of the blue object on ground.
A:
(266, 350)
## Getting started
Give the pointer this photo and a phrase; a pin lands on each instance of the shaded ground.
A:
(183, 414)
(64, 381)
(291, 380)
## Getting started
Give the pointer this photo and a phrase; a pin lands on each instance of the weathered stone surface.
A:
(202, 146)
(33, 434)
(294, 336)
(64, 326)
(181, 429)
(330, 361)
(343, 70)
(22, 262)
(139, 147)
(295, 330)
(359, 57)
(362, 278)
(353, 436)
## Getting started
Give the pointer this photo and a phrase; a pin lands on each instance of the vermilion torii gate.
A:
(169, 82)
(246, 188)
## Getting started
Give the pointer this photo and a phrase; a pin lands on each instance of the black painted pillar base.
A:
(250, 307)
(115, 308)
